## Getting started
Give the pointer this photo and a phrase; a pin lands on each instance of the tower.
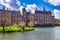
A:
(3, 9)
(44, 9)
(24, 15)
(24, 11)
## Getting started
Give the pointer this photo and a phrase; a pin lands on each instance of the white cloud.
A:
(53, 2)
(31, 8)
(7, 0)
(57, 14)
(11, 4)
(18, 2)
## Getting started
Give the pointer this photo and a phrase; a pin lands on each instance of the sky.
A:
(31, 5)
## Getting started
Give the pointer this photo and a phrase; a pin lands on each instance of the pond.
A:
(41, 33)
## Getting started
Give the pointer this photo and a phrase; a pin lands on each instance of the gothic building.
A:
(14, 17)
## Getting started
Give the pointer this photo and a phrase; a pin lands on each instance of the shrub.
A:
(15, 29)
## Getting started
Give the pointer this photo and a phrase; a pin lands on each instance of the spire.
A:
(49, 11)
(24, 10)
(44, 9)
(3, 9)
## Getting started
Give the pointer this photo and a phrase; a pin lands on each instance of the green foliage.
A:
(15, 25)
(12, 29)
(31, 24)
(15, 29)
(1, 29)
(22, 23)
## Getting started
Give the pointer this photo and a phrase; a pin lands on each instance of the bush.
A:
(12, 29)
(15, 29)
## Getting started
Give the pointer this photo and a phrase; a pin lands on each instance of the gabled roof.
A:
(42, 12)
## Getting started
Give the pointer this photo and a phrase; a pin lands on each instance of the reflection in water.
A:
(52, 33)
(57, 33)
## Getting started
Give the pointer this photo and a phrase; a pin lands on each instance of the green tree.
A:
(15, 25)
(21, 23)
(3, 24)
(31, 24)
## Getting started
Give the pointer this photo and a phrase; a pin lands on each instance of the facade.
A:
(14, 17)
(43, 17)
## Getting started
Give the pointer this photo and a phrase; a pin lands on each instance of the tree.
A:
(21, 23)
(3, 24)
(15, 25)
(31, 24)
(57, 21)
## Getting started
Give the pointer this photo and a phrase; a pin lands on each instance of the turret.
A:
(24, 11)
(49, 11)
(3, 9)
(44, 9)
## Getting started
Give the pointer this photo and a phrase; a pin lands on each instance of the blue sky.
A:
(39, 3)
(52, 5)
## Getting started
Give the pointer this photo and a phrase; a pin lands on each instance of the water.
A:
(47, 33)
